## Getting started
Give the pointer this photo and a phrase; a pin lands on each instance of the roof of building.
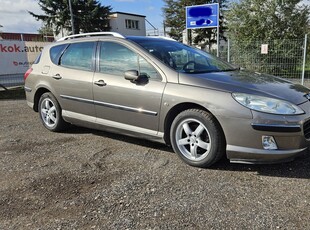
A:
(137, 15)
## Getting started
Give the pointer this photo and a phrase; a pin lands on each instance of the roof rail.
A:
(114, 34)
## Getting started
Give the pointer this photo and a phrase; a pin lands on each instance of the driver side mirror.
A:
(134, 77)
(131, 75)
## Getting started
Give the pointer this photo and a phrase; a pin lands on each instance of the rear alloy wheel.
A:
(50, 113)
(197, 138)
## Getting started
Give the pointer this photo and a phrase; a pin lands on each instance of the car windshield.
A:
(181, 57)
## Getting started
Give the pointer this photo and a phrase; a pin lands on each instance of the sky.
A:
(14, 16)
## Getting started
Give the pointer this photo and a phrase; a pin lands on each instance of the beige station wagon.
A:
(163, 90)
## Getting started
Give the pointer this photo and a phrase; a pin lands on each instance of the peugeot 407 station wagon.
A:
(160, 89)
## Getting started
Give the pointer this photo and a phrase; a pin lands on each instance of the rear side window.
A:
(78, 56)
(55, 53)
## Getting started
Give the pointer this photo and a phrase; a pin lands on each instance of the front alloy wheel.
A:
(193, 139)
(197, 138)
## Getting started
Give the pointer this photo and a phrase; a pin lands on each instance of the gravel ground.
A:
(86, 179)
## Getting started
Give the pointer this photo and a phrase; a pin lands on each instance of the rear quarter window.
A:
(38, 58)
(55, 53)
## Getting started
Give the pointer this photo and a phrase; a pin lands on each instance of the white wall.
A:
(117, 23)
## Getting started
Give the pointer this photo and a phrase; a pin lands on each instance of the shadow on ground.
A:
(12, 93)
(299, 168)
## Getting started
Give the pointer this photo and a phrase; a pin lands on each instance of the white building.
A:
(128, 24)
(120, 22)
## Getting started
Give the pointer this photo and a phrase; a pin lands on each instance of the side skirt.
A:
(111, 126)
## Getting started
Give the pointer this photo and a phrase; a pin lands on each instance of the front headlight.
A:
(267, 105)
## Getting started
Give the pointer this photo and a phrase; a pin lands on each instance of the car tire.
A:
(50, 113)
(197, 138)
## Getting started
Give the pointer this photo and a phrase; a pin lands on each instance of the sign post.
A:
(204, 16)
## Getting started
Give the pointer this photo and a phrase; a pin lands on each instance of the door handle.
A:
(100, 83)
(57, 76)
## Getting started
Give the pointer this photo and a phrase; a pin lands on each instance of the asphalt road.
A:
(86, 179)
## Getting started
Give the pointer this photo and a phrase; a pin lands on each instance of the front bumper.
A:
(238, 154)
(244, 136)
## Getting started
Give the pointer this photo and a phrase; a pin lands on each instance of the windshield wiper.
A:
(210, 70)
(200, 71)
(227, 70)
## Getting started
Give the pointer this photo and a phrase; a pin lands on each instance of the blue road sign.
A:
(202, 16)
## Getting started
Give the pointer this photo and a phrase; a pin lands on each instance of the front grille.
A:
(307, 129)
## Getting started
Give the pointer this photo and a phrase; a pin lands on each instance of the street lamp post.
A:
(72, 18)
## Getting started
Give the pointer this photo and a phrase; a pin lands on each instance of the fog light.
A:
(269, 142)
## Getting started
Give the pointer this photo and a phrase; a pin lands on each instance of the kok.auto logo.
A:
(17, 49)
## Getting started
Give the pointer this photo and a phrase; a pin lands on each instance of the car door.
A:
(125, 104)
(73, 79)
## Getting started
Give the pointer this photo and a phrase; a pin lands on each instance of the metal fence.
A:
(26, 37)
(11, 80)
(285, 58)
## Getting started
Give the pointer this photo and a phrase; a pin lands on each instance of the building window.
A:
(132, 24)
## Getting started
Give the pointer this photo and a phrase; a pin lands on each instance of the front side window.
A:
(115, 59)
(78, 56)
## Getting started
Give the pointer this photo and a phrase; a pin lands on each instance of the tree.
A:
(281, 24)
(89, 15)
(251, 20)
(174, 13)
(46, 32)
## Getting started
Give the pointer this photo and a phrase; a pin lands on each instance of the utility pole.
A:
(72, 18)
(164, 24)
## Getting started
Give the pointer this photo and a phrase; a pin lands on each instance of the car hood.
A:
(242, 81)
